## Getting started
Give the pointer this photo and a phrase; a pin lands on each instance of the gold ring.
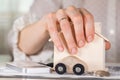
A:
(63, 19)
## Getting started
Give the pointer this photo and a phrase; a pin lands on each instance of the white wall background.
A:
(9, 11)
(15, 5)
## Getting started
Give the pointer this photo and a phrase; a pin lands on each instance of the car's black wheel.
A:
(78, 69)
(60, 68)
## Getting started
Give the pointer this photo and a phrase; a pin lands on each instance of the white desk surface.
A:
(114, 70)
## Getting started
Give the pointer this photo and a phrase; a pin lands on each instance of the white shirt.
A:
(105, 11)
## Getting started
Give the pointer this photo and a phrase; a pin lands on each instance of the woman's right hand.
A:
(76, 35)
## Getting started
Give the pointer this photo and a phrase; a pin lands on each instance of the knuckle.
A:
(60, 11)
(50, 15)
(65, 26)
(51, 28)
(89, 17)
(77, 19)
(71, 44)
(70, 41)
(71, 7)
(79, 36)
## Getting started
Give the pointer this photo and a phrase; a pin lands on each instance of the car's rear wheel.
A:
(78, 69)
(60, 68)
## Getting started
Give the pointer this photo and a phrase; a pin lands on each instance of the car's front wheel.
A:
(60, 68)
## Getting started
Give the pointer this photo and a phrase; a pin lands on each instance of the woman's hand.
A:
(34, 36)
(76, 35)
(83, 25)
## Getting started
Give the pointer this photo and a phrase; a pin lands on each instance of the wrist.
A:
(42, 25)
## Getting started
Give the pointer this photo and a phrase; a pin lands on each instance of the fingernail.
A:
(90, 38)
(74, 51)
(60, 48)
(81, 43)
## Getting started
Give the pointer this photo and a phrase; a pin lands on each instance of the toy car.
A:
(89, 58)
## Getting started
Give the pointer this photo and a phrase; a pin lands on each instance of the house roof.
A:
(98, 34)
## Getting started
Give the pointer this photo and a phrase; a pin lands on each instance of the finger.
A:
(52, 28)
(107, 45)
(89, 24)
(66, 29)
(77, 20)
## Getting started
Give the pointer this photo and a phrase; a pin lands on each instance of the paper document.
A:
(28, 67)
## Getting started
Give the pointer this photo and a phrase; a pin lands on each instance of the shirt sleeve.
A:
(44, 55)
